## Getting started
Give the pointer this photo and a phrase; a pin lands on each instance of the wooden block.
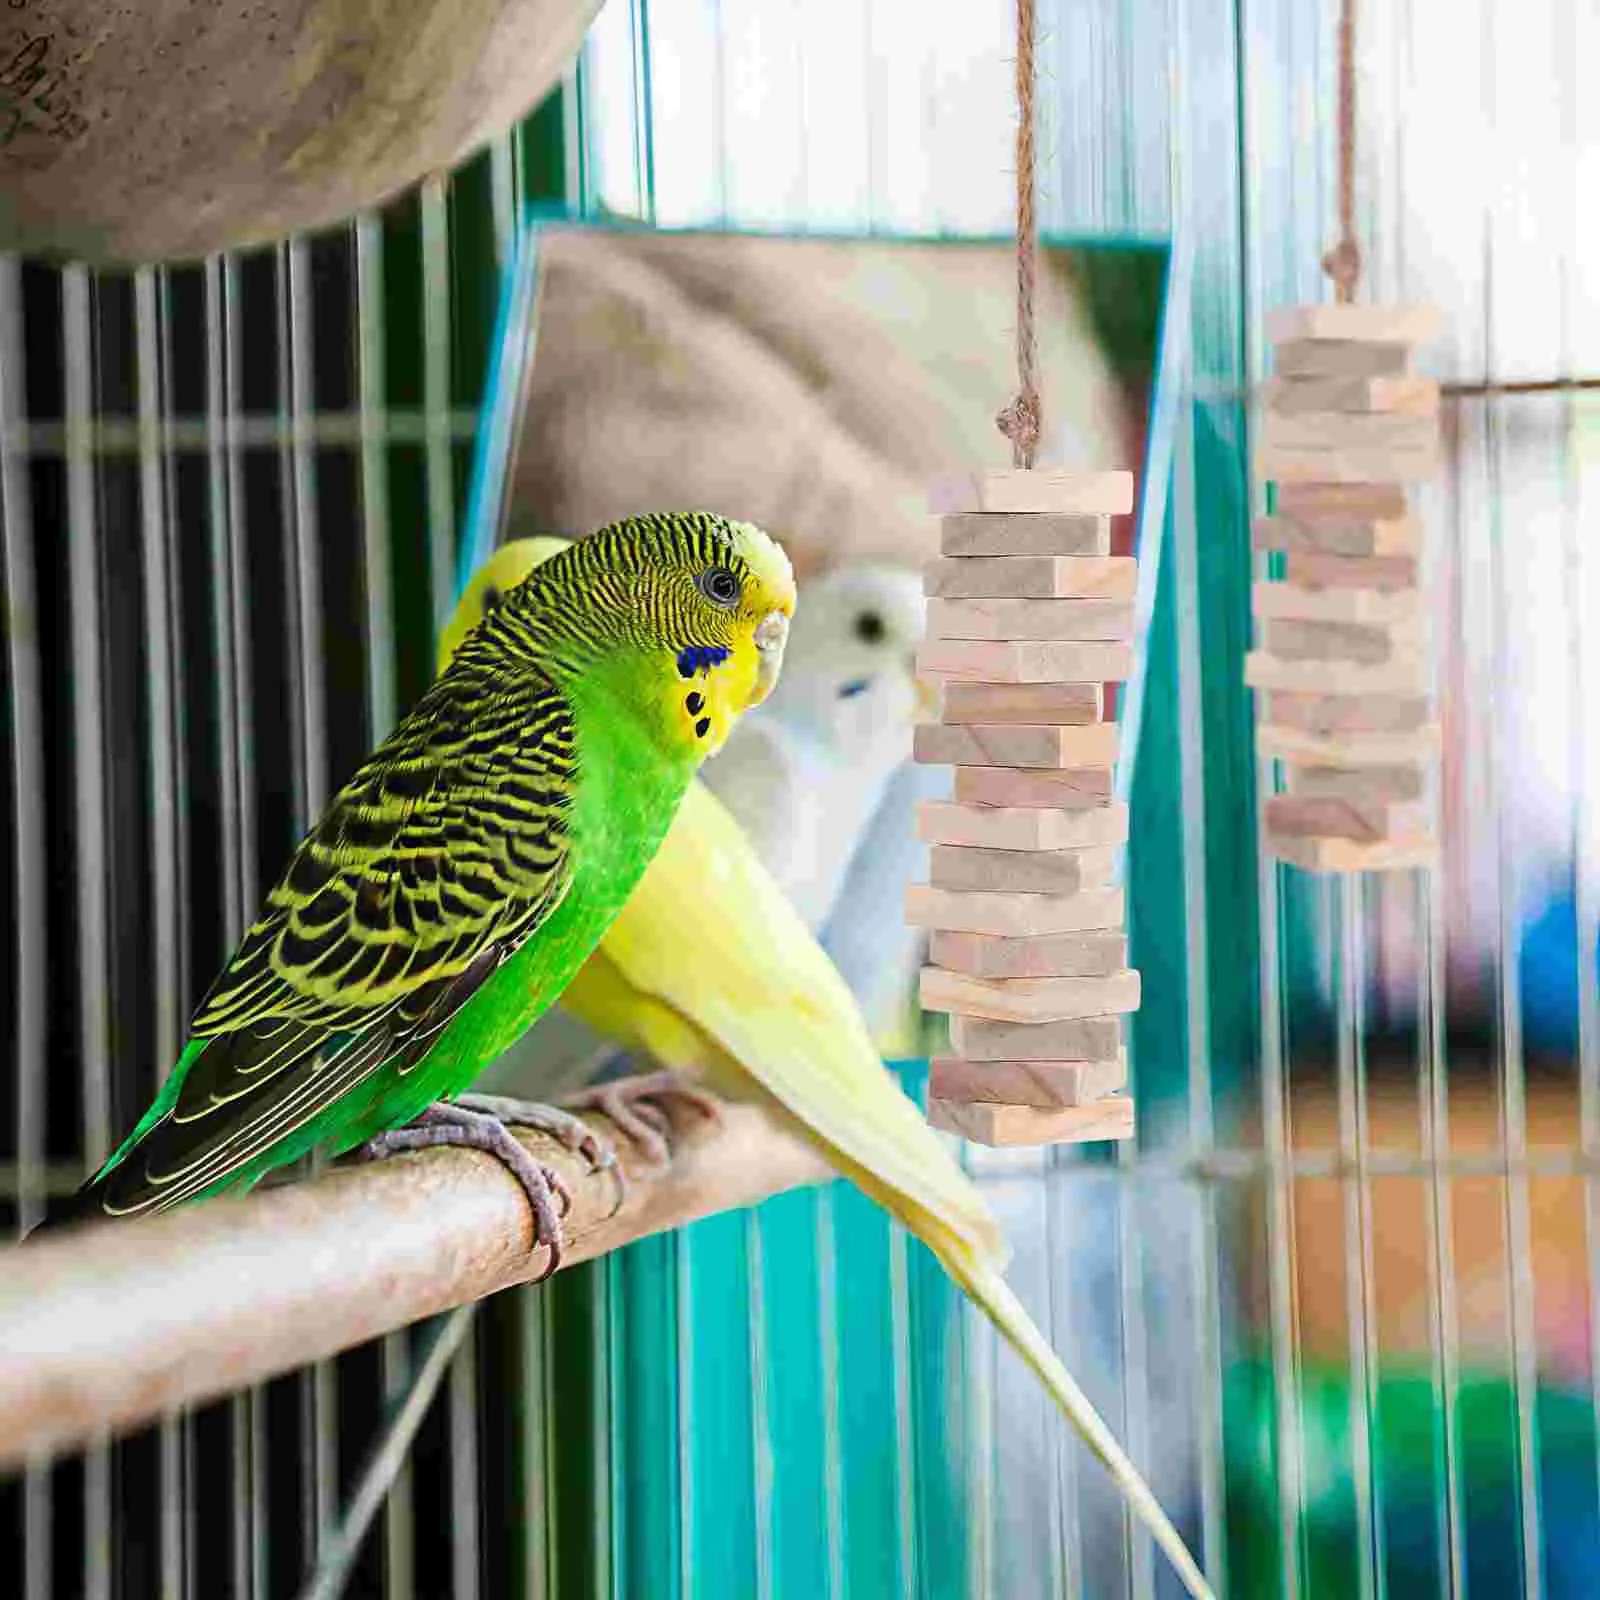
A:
(1078, 1039)
(1051, 491)
(1367, 607)
(1379, 748)
(1029, 999)
(965, 866)
(1021, 828)
(1371, 644)
(1026, 661)
(1060, 704)
(1354, 324)
(1312, 571)
(1082, 620)
(1010, 1126)
(1340, 431)
(1412, 397)
(1015, 916)
(1405, 675)
(1025, 1083)
(1054, 955)
(1354, 536)
(1090, 744)
(1031, 577)
(1350, 464)
(1337, 358)
(1312, 502)
(1349, 855)
(1068, 788)
(1025, 535)
(1293, 816)
(1335, 715)
(1396, 783)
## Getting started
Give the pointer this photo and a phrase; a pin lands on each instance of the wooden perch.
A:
(112, 1325)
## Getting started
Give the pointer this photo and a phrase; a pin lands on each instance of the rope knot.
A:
(1020, 423)
(1343, 264)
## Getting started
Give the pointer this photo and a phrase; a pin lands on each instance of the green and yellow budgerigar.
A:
(712, 972)
(462, 876)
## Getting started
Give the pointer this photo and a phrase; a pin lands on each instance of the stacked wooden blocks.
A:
(1342, 667)
(1029, 616)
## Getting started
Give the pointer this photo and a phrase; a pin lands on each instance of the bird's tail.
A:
(990, 1291)
(977, 1271)
(63, 1210)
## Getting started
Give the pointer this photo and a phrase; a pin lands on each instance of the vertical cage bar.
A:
(683, 1262)
(88, 704)
(247, 1411)
(90, 823)
(372, 417)
(535, 1443)
(983, 1350)
(296, 390)
(24, 673)
(1276, 1080)
(760, 1421)
(28, 864)
(1583, 582)
(305, 535)
(1066, 1529)
(436, 395)
(399, 1528)
(1583, 585)
(832, 1444)
(900, 1334)
(167, 788)
(1444, 1340)
(1513, 1076)
(464, 1507)
(1361, 1302)
(1137, 1544)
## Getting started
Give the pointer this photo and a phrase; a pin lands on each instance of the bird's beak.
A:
(771, 634)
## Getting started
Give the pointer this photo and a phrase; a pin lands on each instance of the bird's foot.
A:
(637, 1107)
(445, 1123)
(571, 1132)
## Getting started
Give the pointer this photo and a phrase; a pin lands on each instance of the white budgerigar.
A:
(806, 777)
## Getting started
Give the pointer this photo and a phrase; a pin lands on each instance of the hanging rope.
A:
(1020, 421)
(1343, 262)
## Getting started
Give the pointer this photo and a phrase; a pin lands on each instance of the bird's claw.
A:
(635, 1106)
(573, 1133)
(474, 1127)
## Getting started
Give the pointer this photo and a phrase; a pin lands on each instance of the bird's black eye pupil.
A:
(720, 586)
(869, 627)
(491, 598)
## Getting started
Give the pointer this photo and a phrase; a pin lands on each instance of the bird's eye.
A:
(492, 599)
(719, 586)
(870, 628)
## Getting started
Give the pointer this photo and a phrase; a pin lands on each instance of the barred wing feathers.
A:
(432, 865)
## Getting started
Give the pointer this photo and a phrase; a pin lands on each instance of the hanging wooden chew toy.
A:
(1029, 615)
(1341, 668)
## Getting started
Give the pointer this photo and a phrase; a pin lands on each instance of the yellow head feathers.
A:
(716, 594)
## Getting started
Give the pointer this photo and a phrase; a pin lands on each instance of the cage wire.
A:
(1339, 1296)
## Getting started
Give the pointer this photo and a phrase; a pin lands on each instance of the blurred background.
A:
(1339, 1293)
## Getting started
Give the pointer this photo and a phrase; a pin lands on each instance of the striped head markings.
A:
(705, 601)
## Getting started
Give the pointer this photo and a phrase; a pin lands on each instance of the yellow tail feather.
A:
(710, 966)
